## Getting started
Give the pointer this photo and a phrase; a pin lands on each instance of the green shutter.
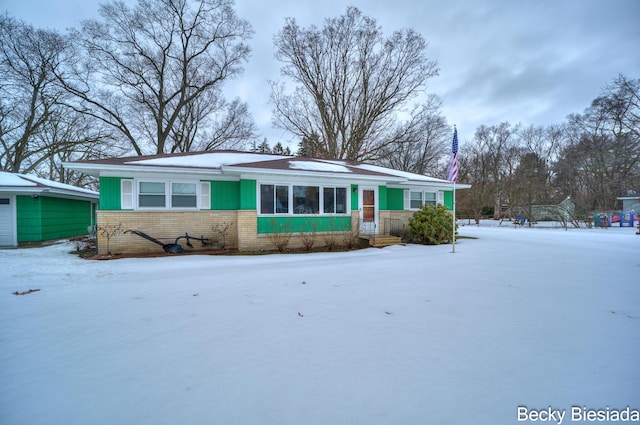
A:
(110, 193)
(248, 195)
(448, 199)
(354, 197)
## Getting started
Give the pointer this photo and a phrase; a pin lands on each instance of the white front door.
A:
(368, 205)
(8, 220)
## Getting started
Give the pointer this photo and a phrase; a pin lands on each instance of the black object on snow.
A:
(171, 248)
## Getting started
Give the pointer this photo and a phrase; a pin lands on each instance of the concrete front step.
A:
(380, 241)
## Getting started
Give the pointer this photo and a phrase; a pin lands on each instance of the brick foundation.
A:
(167, 226)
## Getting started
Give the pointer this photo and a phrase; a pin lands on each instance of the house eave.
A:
(104, 170)
(48, 191)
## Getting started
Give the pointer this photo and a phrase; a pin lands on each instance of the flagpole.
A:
(453, 243)
(453, 177)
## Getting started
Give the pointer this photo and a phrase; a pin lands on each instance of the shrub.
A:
(280, 235)
(308, 238)
(431, 225)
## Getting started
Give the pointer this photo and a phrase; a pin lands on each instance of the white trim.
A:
(289, 186)
(167, 194)
(205, 195)
(376, 211)
(127, 196)
(422, 191)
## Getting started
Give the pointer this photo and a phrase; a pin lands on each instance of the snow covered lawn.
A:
(400, 335)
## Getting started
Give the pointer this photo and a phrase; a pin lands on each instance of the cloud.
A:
(526, 61)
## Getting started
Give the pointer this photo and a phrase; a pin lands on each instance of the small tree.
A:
(431, 225)
(222, 230)
(109, 231)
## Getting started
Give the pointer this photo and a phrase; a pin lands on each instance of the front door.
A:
(368, 211)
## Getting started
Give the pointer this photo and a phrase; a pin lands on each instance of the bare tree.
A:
(36, 124)
(351, 82)
(419, 144)
(602, 158)
(154, 73)
(500, 150)
(474, 168)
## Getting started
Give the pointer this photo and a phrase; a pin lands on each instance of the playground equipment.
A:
(602, 220)
(625, 219)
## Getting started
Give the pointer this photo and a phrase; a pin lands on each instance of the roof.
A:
(28, 184)
(236, 163)
(629, 197)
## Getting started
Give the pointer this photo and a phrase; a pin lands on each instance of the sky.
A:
(523, 61)
(407, 335)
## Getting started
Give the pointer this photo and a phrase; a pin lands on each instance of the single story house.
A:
(248, 198)
(34, 210)
(630, 203)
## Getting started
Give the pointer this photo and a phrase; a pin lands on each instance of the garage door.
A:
(7, 220)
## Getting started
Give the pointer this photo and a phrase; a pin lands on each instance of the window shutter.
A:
(407, 200)
(441, 198)
(205, 195)
(126, 194)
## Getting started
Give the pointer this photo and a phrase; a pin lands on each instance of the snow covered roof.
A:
(235, 163)
(24, 183)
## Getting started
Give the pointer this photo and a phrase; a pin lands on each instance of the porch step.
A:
(379, 241)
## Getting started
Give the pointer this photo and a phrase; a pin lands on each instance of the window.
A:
(167, 194)
(430, 198)
(418, 199)
(294, 199)
(306, 199)
(4, 201)
(274, 199)
(183, 195)
(335, 200)
(151, 195)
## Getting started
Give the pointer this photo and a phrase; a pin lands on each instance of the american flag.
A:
(453, 165)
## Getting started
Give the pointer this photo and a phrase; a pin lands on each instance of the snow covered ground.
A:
(400, 335)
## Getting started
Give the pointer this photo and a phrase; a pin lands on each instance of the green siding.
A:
(110, 193)
(47, 218)
(29, 218)
(248, 195)
(382, 198)
(448, 199)
(354, 197)
(225, 195)
(395, 199)
(303, 224)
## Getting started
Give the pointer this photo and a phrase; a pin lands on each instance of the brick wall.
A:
(165, 226)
